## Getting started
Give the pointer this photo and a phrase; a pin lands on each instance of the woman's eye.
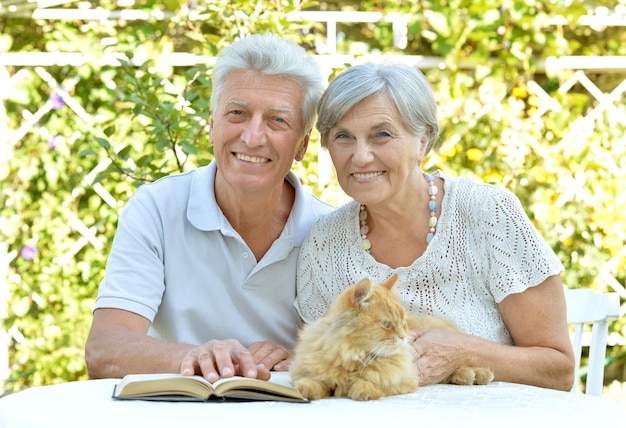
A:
(382, 135)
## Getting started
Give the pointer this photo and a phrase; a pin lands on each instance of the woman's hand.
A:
(439, 354)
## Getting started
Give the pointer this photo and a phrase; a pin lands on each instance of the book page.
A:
(277, 378)
(278, 386)
(171, 386)
(282, 378)
(160, 384)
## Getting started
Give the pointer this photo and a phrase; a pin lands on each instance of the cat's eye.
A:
(386, 323)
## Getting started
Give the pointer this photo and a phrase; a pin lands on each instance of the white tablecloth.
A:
(502, 405)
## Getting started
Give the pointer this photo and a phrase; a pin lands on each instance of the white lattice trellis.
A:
(612, 104)
(32, 121)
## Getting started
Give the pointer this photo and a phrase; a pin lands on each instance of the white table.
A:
(502, 405)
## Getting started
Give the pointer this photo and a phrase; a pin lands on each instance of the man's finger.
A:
(278, 355)
(188, 365)
(246, 363)
(224, 359)
(207, 363)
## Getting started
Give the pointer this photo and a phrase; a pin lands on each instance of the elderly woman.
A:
(461, 249)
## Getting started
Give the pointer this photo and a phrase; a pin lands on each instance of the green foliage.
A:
(50, 292)
(93, 132)
(98, 130)
(165, 127)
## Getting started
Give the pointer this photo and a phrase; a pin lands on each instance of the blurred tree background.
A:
(79, 135)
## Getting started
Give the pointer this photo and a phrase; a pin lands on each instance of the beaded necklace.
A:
(432, 222)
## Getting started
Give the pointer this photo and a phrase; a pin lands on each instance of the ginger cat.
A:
(361, 348)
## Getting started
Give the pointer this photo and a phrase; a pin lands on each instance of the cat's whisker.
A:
(377, 351)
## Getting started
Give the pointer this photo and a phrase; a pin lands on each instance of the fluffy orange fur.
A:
(362, 349)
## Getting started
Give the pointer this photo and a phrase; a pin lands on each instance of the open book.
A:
(176, 387)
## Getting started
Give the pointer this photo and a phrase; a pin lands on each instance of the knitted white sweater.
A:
(485, 249)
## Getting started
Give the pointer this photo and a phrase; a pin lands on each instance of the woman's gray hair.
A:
(405, 86)
(271, 55)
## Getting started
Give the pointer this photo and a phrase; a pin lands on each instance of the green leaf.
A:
(103, 143)
(124, 153)
(87, 152)
(189, 149)
(109, 130)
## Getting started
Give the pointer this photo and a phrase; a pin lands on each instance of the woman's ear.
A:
(426, 136)
(425, 141)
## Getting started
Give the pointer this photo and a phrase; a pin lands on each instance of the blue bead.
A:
(429, 237)
(429, 178)
(432, 205)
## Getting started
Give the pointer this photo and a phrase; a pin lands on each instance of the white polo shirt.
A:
(177, 261)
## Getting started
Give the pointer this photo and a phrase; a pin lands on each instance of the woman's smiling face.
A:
(373, 152)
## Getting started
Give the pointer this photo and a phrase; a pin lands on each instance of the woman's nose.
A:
(362, 153)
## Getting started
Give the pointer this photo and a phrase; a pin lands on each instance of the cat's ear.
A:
(390, 282)
(362, 291)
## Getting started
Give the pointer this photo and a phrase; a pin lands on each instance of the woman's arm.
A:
(542, 354)
(537, 322)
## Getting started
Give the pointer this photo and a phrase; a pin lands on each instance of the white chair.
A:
(586, 306)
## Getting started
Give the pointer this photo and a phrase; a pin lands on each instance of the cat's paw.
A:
(312, 389)
(472, 376)
(463, 376)
(484, 375)
(363, 390)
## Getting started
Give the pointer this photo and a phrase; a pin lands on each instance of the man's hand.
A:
(222, 358)
(270, 356)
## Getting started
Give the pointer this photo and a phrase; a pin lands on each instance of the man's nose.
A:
(253, 133)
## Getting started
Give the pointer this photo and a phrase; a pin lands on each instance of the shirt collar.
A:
(204, 213)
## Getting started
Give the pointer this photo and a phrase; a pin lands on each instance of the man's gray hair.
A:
(271, 55)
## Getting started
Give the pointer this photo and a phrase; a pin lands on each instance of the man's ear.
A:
(303, 147)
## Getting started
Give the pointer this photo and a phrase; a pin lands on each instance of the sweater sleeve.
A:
(313, 270)
(518, 257)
